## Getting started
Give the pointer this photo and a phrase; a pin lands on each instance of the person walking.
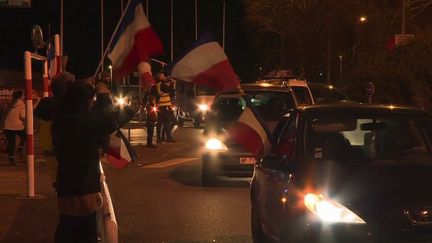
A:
(13, 125)
(152, 118)
(76, 129)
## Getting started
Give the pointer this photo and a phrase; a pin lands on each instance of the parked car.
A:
(221, 156)
(346, 173)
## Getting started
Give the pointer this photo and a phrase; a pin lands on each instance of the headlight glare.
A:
(215, 144)
(203, 107)
(330, 211)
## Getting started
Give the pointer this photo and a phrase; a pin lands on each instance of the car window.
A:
(269, 105)
(302, 95)
(369, 139)
(324, 94)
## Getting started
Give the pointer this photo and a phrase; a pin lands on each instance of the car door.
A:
(274, 177)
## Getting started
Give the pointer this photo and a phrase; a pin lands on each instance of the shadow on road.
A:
(190, 175)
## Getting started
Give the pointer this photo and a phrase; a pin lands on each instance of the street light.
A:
(363, 19)
(110, 69)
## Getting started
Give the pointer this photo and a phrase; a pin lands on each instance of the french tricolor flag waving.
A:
(133, 44)
(250, 132)
(206, 64)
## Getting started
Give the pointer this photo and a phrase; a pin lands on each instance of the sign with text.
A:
(401, 39)
(15, 3)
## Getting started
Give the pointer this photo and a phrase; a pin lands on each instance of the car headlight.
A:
(203, 107)
(330, 211)
(215, 144)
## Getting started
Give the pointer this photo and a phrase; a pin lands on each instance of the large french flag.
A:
(134, 42)
(250, 132)
(206, 64)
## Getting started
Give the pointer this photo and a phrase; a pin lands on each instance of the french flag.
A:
(120, 152)
(134, 42)
(206, 64)
(250, 132)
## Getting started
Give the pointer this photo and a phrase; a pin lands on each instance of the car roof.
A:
(258, 87)
(349, 106)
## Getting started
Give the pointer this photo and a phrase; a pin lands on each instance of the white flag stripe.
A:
(169, 163)
(195, 62)
(127, 39)
(144, 67)
(124, 153)
(248, 118)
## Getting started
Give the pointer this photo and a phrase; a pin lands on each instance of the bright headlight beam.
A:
(203, 107)
(215, 144)
(329, 211)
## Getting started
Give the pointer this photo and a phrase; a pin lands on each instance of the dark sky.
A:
(82, 30)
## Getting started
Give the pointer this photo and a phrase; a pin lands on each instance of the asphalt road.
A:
(161, 199)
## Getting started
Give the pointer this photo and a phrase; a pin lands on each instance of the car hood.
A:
(375, 191)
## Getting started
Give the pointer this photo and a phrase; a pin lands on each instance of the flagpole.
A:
(196, 19)
(112, 38)
(147, 9)
(171, 14)
(61, 26)
(223, 26)
(102, 27)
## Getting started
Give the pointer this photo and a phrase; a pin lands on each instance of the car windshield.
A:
(204, 90)
(270, 105)
(369, 139)
(326, 94)
(302, 95)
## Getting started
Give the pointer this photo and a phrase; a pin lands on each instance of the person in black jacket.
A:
(76, 130)
(103, 103)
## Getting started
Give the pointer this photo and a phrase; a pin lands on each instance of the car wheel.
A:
(258, 235)
(180, 122)
(208, 178)
(196, 123)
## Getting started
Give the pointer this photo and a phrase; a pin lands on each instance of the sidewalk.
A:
(34, 220)
(24, 219)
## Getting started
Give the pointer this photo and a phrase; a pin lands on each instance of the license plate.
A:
(247, 160)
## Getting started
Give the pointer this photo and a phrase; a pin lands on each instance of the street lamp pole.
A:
(403, 16)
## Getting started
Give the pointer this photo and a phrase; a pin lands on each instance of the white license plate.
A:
(247, 160)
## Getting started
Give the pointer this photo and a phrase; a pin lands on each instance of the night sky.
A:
(82, 30)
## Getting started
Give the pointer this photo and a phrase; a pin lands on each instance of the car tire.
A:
(196, 123)
(208, 178)
(180, 122)
(258, 235)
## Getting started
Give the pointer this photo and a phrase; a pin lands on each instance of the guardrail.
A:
(107, 222)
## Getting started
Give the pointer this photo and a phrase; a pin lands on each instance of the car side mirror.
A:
(274, 162)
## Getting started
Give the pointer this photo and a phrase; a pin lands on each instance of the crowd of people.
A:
(160, 110)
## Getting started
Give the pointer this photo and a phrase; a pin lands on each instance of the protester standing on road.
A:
(76, 130)
(13, 124)
(45, 112)
(165, 107)
(152, 118)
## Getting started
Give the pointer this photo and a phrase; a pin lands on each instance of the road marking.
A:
(168, 163)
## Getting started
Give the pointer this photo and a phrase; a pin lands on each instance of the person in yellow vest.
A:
(45, 112)
(165, 108)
